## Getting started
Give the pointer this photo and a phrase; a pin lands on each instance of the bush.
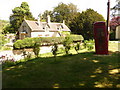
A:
(18, 45)
(77, 47)
(89, 44)
(29, 42)
(54, 49)
(36, 49)
(67, 43)
(3, 40)
(76, 37)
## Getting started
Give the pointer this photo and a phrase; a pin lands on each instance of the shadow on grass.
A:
(82, 70)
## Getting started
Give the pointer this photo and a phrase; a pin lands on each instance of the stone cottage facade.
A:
(41, 29)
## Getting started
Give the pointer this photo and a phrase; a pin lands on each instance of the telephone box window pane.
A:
(100, 32)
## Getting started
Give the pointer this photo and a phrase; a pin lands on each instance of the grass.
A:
(83, 70)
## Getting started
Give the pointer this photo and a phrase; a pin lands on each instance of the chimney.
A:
(63, 21)
(48, 19)
(38, 20)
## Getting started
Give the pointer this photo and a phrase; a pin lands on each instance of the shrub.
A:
(3, 40)
(54, 49)
(36, 49)
(19, 44)
(29, 42)
(89, 44)
(76, 37)
(67, 44)
(77, 47)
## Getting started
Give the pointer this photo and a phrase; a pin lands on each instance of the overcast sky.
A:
(39, 6)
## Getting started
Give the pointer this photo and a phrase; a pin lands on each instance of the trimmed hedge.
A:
(29, 42)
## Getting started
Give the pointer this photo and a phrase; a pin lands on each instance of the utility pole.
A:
(108, 16)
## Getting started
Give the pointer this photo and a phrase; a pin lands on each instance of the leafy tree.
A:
(45, 14)
(3, 23)
(8, 29)
(65, 12)
(83, 23)
(115, 9)
(19, 13)
(62, 12)
(115, 21)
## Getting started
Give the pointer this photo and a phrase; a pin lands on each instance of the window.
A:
(47, 35)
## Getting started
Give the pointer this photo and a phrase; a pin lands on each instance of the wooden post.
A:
(108, 16)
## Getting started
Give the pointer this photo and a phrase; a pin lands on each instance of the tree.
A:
(62, 12)
(65, 12)
(19, 13)
(45, 14)
(83, 23)
(3, 23)
(8, 29)
(115, 9)
(115, 21)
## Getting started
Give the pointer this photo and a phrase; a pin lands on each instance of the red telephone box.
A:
(101, 38)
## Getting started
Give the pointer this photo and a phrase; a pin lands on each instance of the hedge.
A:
(29, 42)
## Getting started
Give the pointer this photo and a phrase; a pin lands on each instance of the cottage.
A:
(118, 32)
(41, 29)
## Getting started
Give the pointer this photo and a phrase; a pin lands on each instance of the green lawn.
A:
(83, 70)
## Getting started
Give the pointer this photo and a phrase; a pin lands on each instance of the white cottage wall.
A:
(44, 34)
(118, 32)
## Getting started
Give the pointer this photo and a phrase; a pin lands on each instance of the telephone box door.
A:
(101, 38)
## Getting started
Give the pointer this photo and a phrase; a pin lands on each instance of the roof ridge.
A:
(28, 23)
(53, 25)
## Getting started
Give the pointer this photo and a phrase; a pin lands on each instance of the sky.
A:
(39, 6)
